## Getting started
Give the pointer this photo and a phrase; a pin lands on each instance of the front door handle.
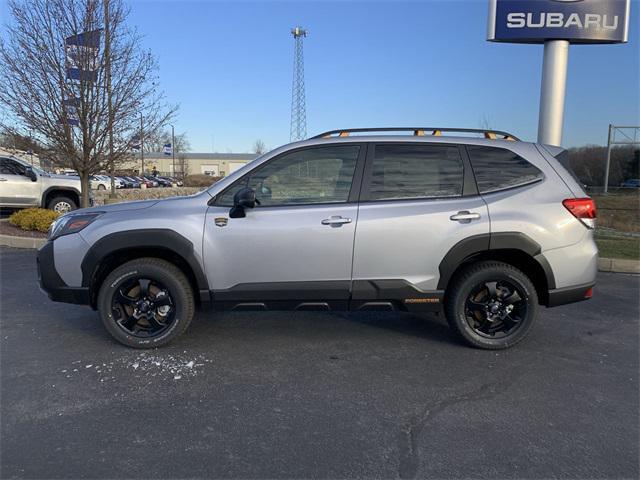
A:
(3, 179)
(335, 221)
(464, 216)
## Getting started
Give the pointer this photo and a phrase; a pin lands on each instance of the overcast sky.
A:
(427, 63)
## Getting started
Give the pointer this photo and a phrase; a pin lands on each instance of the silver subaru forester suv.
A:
(477, 224)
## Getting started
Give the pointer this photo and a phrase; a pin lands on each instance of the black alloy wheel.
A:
(491, 304)
(495, 309)
(143, 307)
(146, 303)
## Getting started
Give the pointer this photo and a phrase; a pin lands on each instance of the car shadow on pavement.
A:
(429, 326)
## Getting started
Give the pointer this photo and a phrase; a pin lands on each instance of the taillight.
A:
(584, 209)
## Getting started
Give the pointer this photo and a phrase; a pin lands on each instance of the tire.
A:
(101, 187)
(481, 300)
(62, 204)
(129, 279)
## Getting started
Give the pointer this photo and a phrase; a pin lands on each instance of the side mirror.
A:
(31, 174)
(244, 198)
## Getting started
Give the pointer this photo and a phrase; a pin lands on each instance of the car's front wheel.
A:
(146, 303)
(491, 305)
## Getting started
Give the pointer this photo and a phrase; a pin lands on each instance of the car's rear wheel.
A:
(62, 204)
(491, 305)
(146, 303)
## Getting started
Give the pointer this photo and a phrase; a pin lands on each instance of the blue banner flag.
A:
(168, 149)
(82, 56)
(71, 110)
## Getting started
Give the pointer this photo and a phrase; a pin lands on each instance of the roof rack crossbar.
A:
(420, 131)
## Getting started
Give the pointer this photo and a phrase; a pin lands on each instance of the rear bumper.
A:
(51, 283)
(563, 296)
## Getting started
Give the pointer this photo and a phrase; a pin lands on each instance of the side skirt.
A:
(379, 295)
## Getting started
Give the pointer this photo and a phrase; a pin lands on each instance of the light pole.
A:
(141, 146)
(173, 149)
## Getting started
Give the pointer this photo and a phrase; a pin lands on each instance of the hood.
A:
(120, 207)
(64, 177)
(142, 204)
(62, 180)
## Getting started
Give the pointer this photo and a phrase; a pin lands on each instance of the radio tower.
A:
(298, 102)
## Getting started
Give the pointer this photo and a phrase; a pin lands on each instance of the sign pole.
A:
(552, 92)
(608, 164)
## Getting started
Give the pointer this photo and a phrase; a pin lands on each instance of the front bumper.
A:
(51, 283)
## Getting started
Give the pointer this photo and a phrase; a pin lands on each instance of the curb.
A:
(21, 242)
(618, 265)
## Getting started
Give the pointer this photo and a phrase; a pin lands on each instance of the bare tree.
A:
(11, 139)
(588, 163)
(70, 116)
(155, 141)
(259, 147)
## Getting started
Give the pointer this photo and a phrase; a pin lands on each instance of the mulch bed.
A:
(7, 229)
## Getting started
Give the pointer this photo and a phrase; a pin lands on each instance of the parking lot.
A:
(322, 395)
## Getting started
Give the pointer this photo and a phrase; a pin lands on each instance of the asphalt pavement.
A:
(316, 395)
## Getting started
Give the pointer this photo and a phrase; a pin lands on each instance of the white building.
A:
(214, 164)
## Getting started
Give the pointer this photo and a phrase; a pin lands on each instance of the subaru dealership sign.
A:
(578, 21)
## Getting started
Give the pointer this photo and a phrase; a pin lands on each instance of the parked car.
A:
(126, 183)
(132, 182)
(24, 186)
(155, 182)
(145, 182)
(116, 181)
(162, 182)
(174, 181)
(631, 183)
(99, 183)
(485, 230)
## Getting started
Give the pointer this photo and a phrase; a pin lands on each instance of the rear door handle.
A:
(464, 216)
(335, 221)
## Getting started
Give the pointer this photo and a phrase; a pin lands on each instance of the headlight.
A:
(71, 223)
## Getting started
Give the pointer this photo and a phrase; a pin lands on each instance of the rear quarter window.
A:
(498, 169)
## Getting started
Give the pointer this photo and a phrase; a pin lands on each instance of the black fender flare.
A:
(62, 189)
(478, 244)
(150, 238)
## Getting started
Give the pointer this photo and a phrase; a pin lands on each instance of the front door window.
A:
(311, 176)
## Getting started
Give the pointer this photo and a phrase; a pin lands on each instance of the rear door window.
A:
(401, 172)
(498, 168)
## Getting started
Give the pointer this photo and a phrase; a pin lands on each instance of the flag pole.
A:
(107, 54)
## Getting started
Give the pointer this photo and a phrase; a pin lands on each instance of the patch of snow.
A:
(153, 364)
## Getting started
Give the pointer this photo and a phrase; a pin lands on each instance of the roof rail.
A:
(420, 131)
